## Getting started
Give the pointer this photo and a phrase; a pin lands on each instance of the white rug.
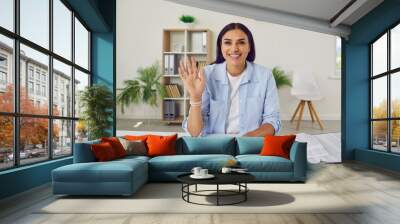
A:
(166, 198)
(323, 147)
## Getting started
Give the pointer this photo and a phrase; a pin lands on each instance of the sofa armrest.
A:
(298, 155)
(83, 152)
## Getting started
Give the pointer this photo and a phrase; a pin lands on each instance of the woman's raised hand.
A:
(193, 78)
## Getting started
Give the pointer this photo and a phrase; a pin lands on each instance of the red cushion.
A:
(161, 145)
(103, 151)
(116, 145)
(136, 137)
(277, 145)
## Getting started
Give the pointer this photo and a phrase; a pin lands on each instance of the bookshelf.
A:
(179, 44)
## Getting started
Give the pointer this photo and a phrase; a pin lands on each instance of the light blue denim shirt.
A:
(258, 100)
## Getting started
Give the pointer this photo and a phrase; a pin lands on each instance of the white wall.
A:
(139, 43)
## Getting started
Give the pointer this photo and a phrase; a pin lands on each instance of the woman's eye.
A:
(227, 43)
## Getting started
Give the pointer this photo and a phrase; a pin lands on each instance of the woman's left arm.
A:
(263, 130)
(271, 123)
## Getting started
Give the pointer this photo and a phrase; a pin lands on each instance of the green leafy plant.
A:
(187, 19)
(145, 88)
(96, 102)
(281, 78)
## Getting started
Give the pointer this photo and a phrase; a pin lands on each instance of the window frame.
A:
(388, 74)
(15, 71)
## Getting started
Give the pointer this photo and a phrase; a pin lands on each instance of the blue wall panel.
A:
(356, 111)
(24, 178)
(103, 62)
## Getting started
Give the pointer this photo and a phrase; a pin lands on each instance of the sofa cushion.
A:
(185, 163)
(249, 145)
(208, 145)
(277, 145)
(136, 137)
(159, 145)
(103, 151)
(116, 145)
(257, 163)
(134, 147)
(112, 171)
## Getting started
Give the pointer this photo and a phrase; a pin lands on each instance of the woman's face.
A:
(235, 47)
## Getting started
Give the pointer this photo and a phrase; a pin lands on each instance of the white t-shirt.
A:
(233, 122)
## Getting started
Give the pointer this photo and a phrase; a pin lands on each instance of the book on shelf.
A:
(176, 91)
(166, 64)
(171, 64)
(168, 91)
(170, 110)
(173, 91)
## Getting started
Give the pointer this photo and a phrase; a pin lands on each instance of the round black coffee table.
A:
(238, 179)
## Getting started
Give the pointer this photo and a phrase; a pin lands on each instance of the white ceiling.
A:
(314, 15)
(320, 9)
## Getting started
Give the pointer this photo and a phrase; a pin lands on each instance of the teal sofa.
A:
(125, 176)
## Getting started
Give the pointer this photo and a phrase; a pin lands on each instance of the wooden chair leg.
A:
(316, 116)
(295, 112)
(310, 110)
(301, 114)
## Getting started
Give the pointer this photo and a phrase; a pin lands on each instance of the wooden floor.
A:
(377, 188)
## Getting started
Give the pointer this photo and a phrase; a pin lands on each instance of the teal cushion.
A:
(249, 145)
(208, 145)
(111, 171)
(257, 163)
(185, 163)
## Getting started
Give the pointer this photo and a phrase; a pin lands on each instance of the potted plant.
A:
(145, 88)
(187, 20)
(281, 78)
(96, 102)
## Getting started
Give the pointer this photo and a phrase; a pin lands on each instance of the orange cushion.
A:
(116, 145)
(103, 151)
(136, 137)
(277, 145)
(161, 145)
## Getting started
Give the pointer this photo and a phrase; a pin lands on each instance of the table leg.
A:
(245, 193)
(196, 188)
(217, 194)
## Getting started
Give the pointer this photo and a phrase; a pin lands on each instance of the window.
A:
(62, 74)
(43, 90)
(7, 14)
(3, 78)
(81, 45)
(62, 29)
(30, 87)
(38, 89)
(38, 74)
(30, 72)
(7, 142)
(3, 61)
(3, 72)
(35, 21)
(50, 135)
(385, 94)
(81, 81)
(43, 77)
